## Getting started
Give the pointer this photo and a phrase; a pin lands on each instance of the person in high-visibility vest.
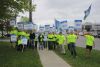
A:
(50, 41)
(68, 42)
(22, 35)
(14, 33)
(40, 38)
(89, 43)
(71, 41)
(27, 37)
(57, 38)
(54, 41)
(61, 40)
(19, 45)
(26, 34)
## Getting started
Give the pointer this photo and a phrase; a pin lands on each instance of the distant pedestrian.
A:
(19, 45)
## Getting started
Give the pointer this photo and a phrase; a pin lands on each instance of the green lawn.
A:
(81, 60)
(9, 57)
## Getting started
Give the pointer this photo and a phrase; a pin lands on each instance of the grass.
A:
(81, 60)
(9, 57)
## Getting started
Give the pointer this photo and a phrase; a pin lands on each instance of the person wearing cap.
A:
(89, 43)
(71, 41)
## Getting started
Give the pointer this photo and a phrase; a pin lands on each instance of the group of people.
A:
(51, 41)
(21, 39)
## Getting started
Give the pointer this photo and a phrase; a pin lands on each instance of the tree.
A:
(24, 19)
(10, 8)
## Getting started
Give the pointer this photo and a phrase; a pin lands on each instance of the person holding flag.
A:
(89, 43)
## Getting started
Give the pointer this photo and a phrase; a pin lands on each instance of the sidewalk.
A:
(50, 59)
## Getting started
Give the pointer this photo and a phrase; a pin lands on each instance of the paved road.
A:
(81, 42)
(50, 59)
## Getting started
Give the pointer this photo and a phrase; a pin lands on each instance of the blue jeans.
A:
(71, 48)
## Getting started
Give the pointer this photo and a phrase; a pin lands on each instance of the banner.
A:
(13, 22)
(24, 41)
(13, 38)
(20, 26)
(41, 29)
(78, 24)
(47, 28)
(28, 27)
(64, 25)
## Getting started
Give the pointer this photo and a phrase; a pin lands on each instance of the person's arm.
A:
(93, 42)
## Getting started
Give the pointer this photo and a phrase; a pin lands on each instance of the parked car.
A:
(81, 33)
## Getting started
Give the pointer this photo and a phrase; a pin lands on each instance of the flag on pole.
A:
(87, 12)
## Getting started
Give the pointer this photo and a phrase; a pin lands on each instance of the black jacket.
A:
(32, 36)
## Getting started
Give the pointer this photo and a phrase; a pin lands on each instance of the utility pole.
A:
(30, 11)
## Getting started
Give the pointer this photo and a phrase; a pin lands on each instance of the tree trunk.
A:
(30, 11)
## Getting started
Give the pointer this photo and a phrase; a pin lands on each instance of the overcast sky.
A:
(48, 10)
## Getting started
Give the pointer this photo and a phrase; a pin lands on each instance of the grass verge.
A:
(81, 60)
(9, 57)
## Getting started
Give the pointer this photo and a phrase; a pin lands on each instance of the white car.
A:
(81, 33)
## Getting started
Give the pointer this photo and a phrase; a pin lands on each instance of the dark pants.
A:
(36, 44)
(31, 43)
(41, 45)
(71, 48)
(68, 47)
(19, 47)
(54, 45)
(45, 44)
(50, 45)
